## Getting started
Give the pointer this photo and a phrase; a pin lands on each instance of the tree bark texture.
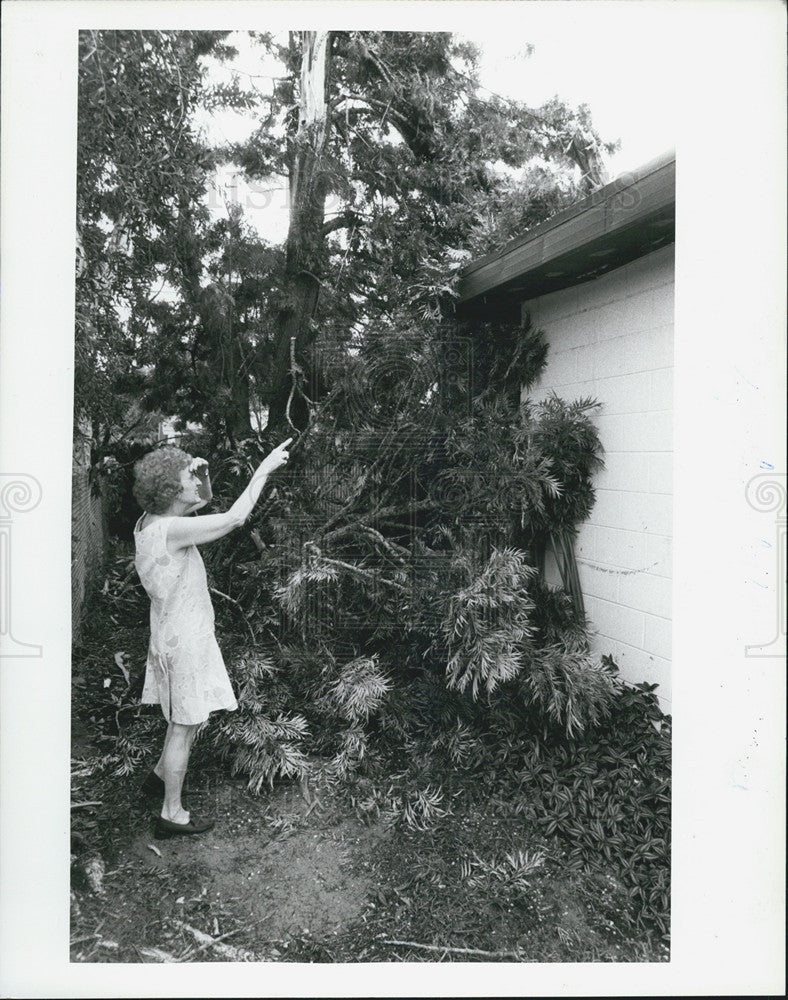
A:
(309, 185)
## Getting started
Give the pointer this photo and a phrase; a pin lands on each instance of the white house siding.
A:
(612, 338)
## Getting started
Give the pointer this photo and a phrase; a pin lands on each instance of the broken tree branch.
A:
(457, 951)
(206, 941)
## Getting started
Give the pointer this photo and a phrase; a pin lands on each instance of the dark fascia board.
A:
(627, 218)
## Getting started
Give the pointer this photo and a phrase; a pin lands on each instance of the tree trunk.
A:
(237, 419)
(305, 240)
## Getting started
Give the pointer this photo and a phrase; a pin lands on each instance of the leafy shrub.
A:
(563, 432)
(489, 631)
(606, 796)
(397, 555)
(603, 796)
(511, 871)
(487, 623)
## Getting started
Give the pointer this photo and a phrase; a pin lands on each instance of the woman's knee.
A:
(183, 733)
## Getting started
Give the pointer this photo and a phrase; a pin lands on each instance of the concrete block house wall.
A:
(612, 338)
(598, 280)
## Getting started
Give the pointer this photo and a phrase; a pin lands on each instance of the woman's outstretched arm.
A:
(183, 531)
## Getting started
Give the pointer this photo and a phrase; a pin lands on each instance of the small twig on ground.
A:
(456, 951)
(80, 940)
(315, 802)
(214, 941)
(81, 805)
(206, 941)
(157, 954)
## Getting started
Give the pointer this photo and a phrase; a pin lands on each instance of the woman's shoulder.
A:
(147, 522)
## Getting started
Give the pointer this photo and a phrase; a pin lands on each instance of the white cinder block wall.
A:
(612, 338)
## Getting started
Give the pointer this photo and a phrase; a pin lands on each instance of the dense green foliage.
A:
(383, 612)
(192, 312)
(607, 795)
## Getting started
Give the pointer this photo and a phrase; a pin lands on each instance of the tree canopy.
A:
(402, 549)
(197, 314)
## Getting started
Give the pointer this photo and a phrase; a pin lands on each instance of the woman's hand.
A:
(276, 458)
(183, 531)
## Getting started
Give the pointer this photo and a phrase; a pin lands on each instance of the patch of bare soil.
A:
(275, 868)
(282, 871)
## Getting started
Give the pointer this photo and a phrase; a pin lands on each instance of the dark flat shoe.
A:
(165, 829)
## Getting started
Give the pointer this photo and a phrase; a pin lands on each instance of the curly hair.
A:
(157, 479)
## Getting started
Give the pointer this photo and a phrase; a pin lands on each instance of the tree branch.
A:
(342, 221)
(454, 951)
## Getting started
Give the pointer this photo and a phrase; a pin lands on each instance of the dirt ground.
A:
(286, 872)
(275, 868)
(295, 875)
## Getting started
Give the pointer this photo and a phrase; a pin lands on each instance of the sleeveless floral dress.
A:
(185, 672)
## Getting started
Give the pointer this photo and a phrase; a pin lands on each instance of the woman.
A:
(185, 672)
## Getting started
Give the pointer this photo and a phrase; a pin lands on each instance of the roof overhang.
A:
(627, 218)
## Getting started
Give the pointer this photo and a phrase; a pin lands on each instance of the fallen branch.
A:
(206, 941)
(316, 802)
(457, 951)
(81, 805)
(215, 941)
(81, 940)
(368, 574)
(227, 597)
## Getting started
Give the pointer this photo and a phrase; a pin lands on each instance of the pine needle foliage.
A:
(487, 623)
(263, 748)
(360, 688)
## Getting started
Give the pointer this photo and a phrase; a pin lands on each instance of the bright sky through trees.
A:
(608, 56)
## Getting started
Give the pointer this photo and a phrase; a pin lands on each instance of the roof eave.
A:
(627, 218)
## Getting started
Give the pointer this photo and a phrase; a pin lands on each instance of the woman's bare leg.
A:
(174, 761)
(159, 768)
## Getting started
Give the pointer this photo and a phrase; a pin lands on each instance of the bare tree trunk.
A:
(305, 240)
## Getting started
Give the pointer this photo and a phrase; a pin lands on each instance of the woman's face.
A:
(190, 484)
